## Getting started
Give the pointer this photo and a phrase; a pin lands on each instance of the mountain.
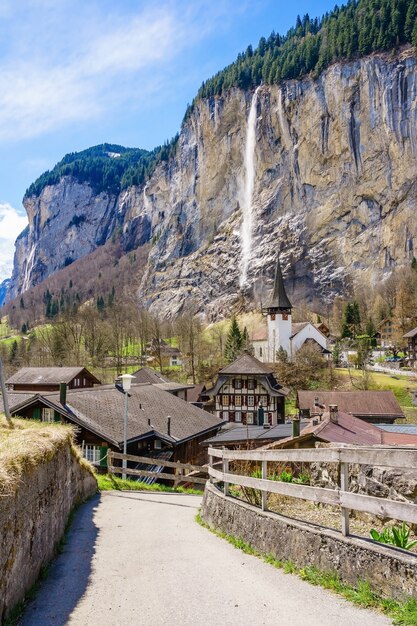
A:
(3, 290)
(318, 161)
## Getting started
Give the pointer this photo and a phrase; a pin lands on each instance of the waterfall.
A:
(247, 195)
(28, 269)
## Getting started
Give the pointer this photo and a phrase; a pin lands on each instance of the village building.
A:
(158, 422)
(151, 377)
(280, 331)
(370, 406)
(161, 354)
(411, 338)
(252, 437)
(337, 427)
(49, 379)
(247, 392)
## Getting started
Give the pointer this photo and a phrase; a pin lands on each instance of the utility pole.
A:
(4, 395)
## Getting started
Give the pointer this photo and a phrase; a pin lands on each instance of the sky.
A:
(77, 73)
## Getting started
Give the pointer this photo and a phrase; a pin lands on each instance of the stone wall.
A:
(33, 519)
(390, 571)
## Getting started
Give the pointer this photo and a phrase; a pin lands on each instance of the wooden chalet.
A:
(39, 379)
(152, 377)
(247, 392)
(158, 422)
(371, 406)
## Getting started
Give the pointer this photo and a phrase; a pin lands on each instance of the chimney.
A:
(333, 412)
(169, 425)
(296, 427)
(63, 393)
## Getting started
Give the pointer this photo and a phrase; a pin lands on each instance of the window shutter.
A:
(57, 417)
(233, 383)
(36, 415)
(103, 456)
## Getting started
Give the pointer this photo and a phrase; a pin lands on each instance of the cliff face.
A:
(334, 187)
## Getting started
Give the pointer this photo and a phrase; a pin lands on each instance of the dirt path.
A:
(141, 559)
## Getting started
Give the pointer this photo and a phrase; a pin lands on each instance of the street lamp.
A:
(126, 385)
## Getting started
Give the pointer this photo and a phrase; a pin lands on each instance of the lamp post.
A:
(126, 384)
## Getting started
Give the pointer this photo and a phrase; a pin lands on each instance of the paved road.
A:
(141, 559)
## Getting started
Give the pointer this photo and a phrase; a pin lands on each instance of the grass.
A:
(24, 444)
(402, 613)
(108, 482)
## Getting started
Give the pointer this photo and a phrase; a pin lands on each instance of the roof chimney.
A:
(169, 425)
(296, 427)
(333, 412)
(63, 393)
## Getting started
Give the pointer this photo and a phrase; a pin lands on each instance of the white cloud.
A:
(52, 76)
(11, 225)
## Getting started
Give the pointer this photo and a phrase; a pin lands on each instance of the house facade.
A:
(411, 338)
(247, 392)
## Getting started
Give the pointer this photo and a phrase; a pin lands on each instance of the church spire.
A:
(279, 300)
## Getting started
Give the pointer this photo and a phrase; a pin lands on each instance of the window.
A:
(250, 418)
(238, 383)
(251, 400)
(225, 400)
(263, 400)
(48, 415)
(238, 400)
(92, 453)
(251, 383)
(260, 352)
(157, 444)
(238, 416)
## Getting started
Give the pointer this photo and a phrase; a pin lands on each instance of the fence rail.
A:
(179, 477)
(341, 496)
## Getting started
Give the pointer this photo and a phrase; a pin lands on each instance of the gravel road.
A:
(141, 559)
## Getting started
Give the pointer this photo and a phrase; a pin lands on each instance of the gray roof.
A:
(46, 375)
(279, 298)
(411, 334)
(405, 429)
(101, 410)
(246, 364)
(242, 433)
(149, 375)
(363, 403)
(16, 398)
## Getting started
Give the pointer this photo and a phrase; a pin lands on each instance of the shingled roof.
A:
(101, 410)
(47, 375)
(279, 299)
(358, 403)
(411, 334)
(246, 364)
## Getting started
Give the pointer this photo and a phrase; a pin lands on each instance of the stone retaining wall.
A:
(33, 519)
(390, 571)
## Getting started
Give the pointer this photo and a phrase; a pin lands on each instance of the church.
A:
(280, 331)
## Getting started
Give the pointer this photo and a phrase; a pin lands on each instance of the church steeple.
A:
(279, 301)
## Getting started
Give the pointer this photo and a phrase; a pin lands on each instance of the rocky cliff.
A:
(334, 187)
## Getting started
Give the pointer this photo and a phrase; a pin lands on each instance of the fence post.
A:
(225, 471)
(109, 460)
(344, 486)
(264, 493)
(210, 467)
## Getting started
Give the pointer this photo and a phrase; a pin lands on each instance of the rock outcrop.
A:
(334, 188)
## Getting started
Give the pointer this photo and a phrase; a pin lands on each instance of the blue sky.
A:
(76, 73)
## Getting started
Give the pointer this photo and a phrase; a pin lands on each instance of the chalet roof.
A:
(348, 430)
(149, 375)
(359, 403)
(279, 298)
(48, 375)
(241, 433)
(411, 334)
(15, 399)
(173, 386)
(195, 392)
(298, 327)
(101, 410)
(246, 364)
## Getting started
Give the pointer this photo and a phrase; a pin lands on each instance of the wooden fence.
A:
(178, 477)
(399, 458)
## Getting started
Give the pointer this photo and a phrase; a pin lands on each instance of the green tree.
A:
(233, 342)
(246, 342)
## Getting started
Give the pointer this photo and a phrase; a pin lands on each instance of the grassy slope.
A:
(111, 483)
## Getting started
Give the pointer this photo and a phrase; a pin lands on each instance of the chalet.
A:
(38, 379)
(163, 355)
(411, 338)
(158, 422)
(281, 332)
(151, 377)
(247, 392)
(337, 427)
(370, 406)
